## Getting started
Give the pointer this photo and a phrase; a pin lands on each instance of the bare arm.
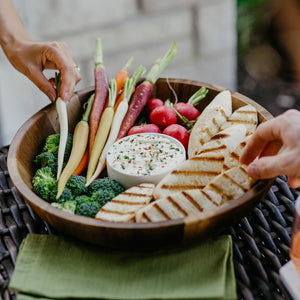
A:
(31, 57)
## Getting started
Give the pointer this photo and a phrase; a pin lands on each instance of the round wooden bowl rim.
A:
(34, 200)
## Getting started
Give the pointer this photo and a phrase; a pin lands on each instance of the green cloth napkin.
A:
(54, 267)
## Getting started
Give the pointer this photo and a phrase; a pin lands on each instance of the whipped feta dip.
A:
(145, 154)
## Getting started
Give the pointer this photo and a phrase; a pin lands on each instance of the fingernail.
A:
(252, 170)
(51, 97)
(67, 97)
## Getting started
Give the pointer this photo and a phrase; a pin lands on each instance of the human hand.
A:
(266, 144)
(32, 57)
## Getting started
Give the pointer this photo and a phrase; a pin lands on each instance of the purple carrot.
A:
(144, 91)
(101, 92)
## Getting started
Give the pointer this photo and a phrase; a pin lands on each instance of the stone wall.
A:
(204, 31)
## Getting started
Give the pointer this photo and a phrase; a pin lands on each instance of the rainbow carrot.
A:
(101, 92)
(103, 130)
(83, 163)
(144, 91)
(80, 141)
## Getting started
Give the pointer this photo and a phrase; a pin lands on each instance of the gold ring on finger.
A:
(77, 67)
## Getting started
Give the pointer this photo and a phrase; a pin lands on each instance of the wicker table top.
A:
(261, 240)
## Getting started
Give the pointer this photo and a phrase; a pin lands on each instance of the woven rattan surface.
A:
(261, 239)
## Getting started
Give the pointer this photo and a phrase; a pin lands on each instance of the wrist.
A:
(12, 44)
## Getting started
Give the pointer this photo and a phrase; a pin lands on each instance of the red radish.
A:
(153, 103)
(178, 132)
(163, 116)
(144, 91)
(144, 128)
(187, 110)
(101, 92)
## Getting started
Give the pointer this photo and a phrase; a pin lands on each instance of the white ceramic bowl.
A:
(143, 157)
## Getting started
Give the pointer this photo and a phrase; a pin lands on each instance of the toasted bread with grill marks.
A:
(233, 159)
(225, 187)
(230, 137)
(123, 207)
(198, 171)
(246, 115)
(178, 205)
(210, 121)
(230, 184)
(193, 173)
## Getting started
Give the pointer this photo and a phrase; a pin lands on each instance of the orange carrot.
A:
(83, 163)
(134, 83)
(122, 75)
(120, 79)
(120, 98)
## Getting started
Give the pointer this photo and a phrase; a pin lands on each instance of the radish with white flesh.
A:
(144, 91)
(61, 109)
(101, 92)
(117, 121)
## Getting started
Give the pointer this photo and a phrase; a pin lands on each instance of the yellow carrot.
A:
(80, 141)
(103, 130)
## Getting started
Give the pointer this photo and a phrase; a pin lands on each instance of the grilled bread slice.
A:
(225, 187)
(233, 159)
(230, 184)
(178, 205)
(230, 137)
(198, 171)
(210, 121)
(193, 173)
(123, 207)
(246, 115)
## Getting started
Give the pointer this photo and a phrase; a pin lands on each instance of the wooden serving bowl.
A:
(30, 138)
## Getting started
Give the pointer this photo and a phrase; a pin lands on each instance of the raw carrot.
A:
(120, 98)
(122, 75)
(101, 92)
(103, 130)
(144, 91)
(83, 163)
(80, 141)
(61, 109)
(117, 121)
(120, 79)
(135, 78)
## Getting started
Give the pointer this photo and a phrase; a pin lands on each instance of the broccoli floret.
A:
(47, 159)
(107, 184)
(103, 196)
(44, 183)
(52, 145)
(82, 199)
(89, 206)
(89, 209)
(64, 197)
(68, 206)
(86, 206)
(76, 184)
(68, 147)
